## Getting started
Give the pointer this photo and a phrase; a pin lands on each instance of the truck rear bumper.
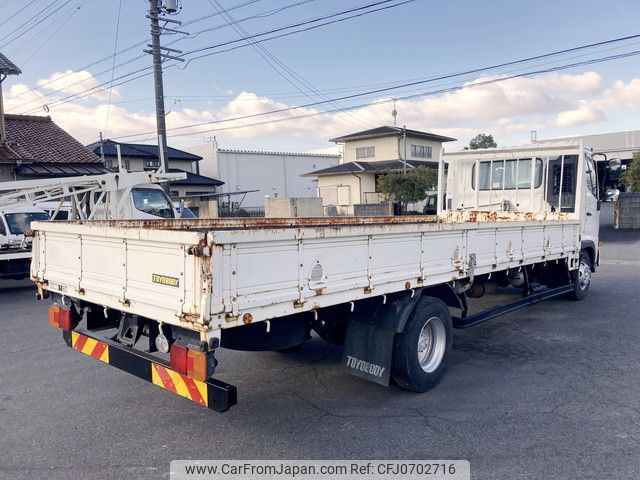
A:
(213, 394)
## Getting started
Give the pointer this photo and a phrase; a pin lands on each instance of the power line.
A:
(115, 49)
(139, 57)
(20, 10)
(306, 22)
(61, 22)
(124, 50)
(362, 105)
(30, 19)
(45, 17)
(86, 93)
(288, 74)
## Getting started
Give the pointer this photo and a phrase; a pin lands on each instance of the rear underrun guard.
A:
(214, 394)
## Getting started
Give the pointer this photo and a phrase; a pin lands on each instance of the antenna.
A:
(394, 112)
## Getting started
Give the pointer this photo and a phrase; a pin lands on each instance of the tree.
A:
(410, 187)
(481, 141)
(631, 177)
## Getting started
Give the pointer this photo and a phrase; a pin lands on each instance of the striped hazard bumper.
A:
(213, 394)
(90, 346)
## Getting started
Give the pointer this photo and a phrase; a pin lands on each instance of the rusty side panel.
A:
(320, 223)
(242, 222)
(463, 216)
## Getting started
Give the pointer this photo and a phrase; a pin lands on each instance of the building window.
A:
(420, 151)
(152, 163)
(365, 152)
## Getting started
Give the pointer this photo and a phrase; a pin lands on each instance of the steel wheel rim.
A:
(584, 275)
(432, 342)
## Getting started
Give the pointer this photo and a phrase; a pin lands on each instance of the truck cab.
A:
(530, 183)
(15, 253)
(136, 203)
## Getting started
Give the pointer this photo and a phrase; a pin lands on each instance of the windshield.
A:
(153, 202)
(21, 222)
(187, 213)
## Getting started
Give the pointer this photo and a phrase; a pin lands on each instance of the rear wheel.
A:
(581, 278)
(421, 353)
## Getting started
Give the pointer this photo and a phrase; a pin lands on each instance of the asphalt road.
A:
(552, 391)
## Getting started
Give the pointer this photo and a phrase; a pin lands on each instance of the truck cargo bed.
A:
(207, 274)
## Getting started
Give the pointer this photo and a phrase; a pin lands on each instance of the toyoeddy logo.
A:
(366, 367)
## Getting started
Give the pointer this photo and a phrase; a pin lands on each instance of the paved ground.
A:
(552, 391)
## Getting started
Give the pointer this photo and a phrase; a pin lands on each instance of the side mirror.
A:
(615, 168)
(611, 195)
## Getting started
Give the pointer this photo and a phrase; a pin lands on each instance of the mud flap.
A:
(371, 330)
(367, 351)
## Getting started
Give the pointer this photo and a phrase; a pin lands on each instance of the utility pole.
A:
(404, 146)
(161, 126)
(158, 55)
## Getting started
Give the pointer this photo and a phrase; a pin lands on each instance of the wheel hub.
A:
(432, 342)
(584, 275)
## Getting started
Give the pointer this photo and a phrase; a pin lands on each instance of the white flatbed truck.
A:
(391, 289)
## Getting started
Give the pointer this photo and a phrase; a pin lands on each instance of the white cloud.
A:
(582, 115)
(71, 83)
(508, 109)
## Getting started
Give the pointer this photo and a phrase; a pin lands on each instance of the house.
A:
(140, 157)
(35, 147)
(370, 154)
(251, 175)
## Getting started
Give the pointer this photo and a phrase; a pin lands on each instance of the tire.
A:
(581, 278)
(421, 369)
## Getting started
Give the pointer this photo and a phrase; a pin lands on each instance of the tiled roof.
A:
(395, 131)
(373, 167)
(140, 150)
(60, 169)
(195, 179)
(7, 67)
(39, 140)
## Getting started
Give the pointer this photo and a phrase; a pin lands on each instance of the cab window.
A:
(21, 222)
(509, 174)
(592, 183)
(153, 202)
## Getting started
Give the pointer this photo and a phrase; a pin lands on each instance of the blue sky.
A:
(416, 40)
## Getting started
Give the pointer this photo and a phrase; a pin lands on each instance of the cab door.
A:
(4, 239)
(591, 214)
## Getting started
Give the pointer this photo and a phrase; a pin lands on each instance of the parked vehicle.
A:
(15, 256)
(525, 219)
(114, 195)
(431, 204)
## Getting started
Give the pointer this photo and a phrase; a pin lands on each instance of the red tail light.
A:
(178, 358)
(60, 318)
(64, 319)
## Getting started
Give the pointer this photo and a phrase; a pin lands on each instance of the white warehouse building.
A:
(260, 173)
(620, 145)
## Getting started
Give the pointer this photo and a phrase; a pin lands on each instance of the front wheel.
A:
(421, 353)
(581, 278)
